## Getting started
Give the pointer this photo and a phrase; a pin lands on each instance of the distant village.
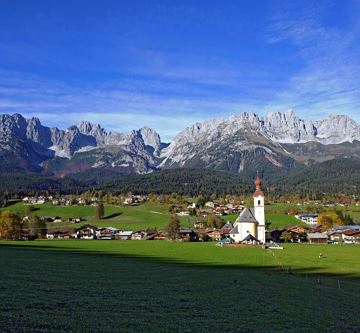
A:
(244, 231)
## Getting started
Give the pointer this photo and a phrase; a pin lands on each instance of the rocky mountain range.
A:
(275, 142)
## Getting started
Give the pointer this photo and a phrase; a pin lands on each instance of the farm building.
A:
(317, 237)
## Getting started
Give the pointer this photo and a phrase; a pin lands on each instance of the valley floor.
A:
(162, 286)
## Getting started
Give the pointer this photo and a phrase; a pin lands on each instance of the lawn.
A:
(160, 286)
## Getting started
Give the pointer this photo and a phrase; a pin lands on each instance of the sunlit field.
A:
(162, 286)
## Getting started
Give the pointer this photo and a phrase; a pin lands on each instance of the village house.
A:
(144, 235)
(336, 237)
(188, 235)
(160, 236)
(74, 219)
(52, 219)
(106, 233)
(308, 218)
(199, 224)
(205, 212)
(210, 204)
(227, 227)
(298, 234)
(317, 237)
(59, 234)
(183, 213)
(276, 234)
(35, 200)
(214, 235)
(87, 231)
(123, 235)
(351, 237)
(191, 205)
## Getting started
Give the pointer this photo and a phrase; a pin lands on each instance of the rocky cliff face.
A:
(276, 141)
(250, 134)
(28, 141)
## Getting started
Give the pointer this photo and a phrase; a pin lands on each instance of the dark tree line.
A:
(338, 176)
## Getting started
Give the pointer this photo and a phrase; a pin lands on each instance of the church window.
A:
(259, 202)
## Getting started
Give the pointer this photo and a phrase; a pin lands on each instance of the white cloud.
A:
(329, 81)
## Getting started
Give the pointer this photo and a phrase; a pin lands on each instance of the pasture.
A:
(161, 286)
(147, 215)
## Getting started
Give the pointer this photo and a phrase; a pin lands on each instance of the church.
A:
(249, 227)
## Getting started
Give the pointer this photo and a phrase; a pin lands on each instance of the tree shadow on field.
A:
(107, 217)
(307, 272)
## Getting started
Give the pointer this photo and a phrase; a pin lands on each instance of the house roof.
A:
(216, 231)
(186, 231)
(227, 226)
(351, 232)
(318, 235)
(125, 233)
(53, 231)
(347, 227)
(308, 215)
(109, 228)
(246, 216)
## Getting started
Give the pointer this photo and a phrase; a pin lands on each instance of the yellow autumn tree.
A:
(330, 220)
(10, 225)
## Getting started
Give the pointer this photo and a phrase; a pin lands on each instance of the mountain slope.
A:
(275, 143)
(25, 144)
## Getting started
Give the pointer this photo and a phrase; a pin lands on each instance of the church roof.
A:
(246, 216)
(235, 230)
(249, 237)
(258, 190)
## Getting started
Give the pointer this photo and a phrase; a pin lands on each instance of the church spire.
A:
(258, 190)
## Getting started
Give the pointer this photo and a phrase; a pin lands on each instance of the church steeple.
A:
(259, 208)
(258, 190)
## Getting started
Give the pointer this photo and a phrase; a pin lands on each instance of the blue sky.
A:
(167, 64)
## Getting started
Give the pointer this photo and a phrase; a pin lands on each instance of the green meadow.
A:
(147, 215)
(162, 286)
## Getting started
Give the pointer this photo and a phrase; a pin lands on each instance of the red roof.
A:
(258, 190)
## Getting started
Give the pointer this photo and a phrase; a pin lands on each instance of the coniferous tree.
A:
(100, 211)
(173, 227)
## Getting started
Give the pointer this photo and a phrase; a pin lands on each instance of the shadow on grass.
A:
(111, 216)
(11, 203)
(308, 271)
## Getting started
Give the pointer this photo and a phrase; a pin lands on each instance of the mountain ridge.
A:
(277, 142)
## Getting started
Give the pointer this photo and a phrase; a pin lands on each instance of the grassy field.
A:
(148, 215)
(160, 286)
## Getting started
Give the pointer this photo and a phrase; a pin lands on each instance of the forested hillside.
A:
(335, 177)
